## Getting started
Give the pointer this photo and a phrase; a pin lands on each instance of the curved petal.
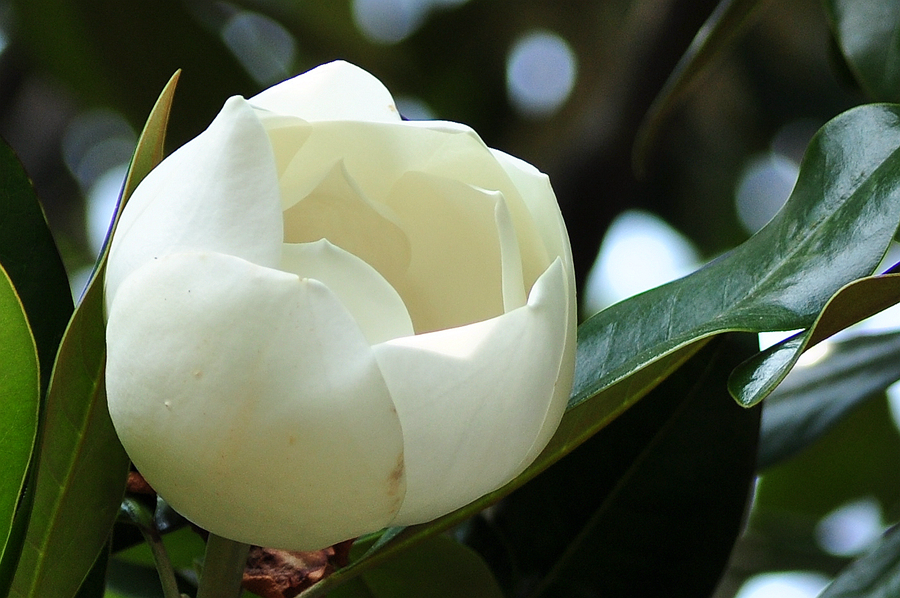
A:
(335, 208)
(454, 276)
(219, 192)
(374, 304)
(334, 91)
(250, 400)
(377, 155)
(475, 401)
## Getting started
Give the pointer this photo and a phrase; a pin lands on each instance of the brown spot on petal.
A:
(272, 573)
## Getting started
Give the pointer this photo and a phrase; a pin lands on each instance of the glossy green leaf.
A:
(835, 228)
(19, 403)
(649, 506)
(813, 398)
(868, 34)
(81, 477)
(438, 568)
(875, 575)
(753, 380)
(29, 256)
(715, 37)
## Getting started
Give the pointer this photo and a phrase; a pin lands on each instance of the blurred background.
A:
(563, 84)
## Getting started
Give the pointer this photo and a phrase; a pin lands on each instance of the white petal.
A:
(219, 192)
(538, 195)
(334, 91)
(477, 403)
(333, 207)
(286, 133)
(510, 257)
(250, 400)
(375, 305)
(454, 276)
(377, 155)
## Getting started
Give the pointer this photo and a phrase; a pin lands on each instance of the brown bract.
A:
(272, 573)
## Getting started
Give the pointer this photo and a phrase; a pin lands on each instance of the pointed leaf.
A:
(19, 402)
(867, 33)
(29, 256)
(81, 477)
(754, 379)
(874, 575)
(835, 228)
(716, 36)
(813, 398)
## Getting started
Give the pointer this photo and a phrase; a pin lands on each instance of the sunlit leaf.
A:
(82, 471)
(867, 32)
(813, 398)
(753, 380)
(19, 402)
(875, 575)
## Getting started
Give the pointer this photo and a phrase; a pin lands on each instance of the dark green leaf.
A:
(812, 399)
(875, 575)
(867, 32)
(754, 379)
(438, 568)
(834, 229)
(651, 505)
(29, 256)
(19, 403)
(715, 37)
(81, 477)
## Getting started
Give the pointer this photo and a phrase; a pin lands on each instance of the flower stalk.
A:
(223, 568)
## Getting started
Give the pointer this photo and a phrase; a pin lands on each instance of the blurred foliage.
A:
(64, 58)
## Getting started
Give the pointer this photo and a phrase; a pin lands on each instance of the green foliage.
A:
(82, 467)
(816, 397)
(19, 402)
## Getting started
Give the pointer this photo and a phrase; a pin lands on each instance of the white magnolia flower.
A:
(324, 320)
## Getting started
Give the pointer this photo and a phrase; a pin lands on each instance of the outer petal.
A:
(375, 305)
(252, 403)
(334, 91)
(537, 194)
(219, 192)
(473, 400)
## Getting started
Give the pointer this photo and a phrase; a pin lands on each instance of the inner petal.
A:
(337, 210)
(454, 276)
(372, 302)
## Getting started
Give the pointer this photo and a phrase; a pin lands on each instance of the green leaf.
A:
(81, 476)
(875, 575)
(438, 568)
(867, 32)
(29, 256)
(660, 500)
(715, 37)
(835, 228)
(754, 379)
(19, 403)
(813, 398)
